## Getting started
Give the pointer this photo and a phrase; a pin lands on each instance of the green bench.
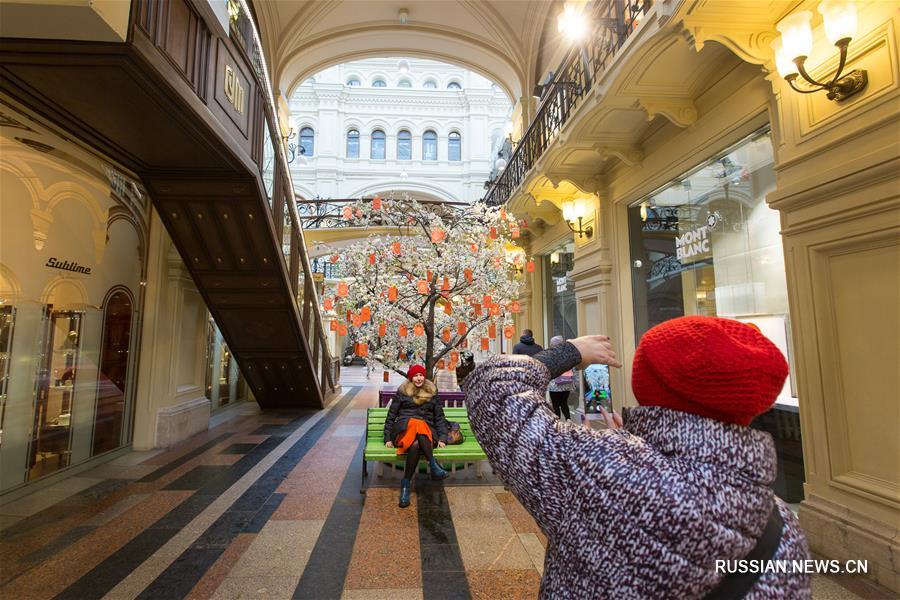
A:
(449, 456)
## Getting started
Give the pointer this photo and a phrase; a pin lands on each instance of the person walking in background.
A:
(415, 423)
(561, 387)
(660, 505)
(527, 345)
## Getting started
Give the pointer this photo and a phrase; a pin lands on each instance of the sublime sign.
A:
(693, 244)
(67, 265)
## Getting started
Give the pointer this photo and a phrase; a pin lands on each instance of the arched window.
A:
(307, 141)
(431, 84)
(354, 82)
(353, 143)
(404, 83)
(378, 144)
(454, 85)
(379, 83)
(429, 145)
(454, 147)
(404, 145)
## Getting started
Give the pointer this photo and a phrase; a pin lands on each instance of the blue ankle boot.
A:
(437, 471)
(404, 493)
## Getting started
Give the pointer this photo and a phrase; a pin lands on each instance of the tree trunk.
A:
(429, 340)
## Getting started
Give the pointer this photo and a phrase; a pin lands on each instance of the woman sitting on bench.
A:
(414, 420)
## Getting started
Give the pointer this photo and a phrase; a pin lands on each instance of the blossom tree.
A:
(444, 280)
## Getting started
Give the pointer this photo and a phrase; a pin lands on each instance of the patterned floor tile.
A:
(507, 584)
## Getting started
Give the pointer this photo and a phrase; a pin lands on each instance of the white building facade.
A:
(397, 125)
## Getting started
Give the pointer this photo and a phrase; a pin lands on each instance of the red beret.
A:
(707, 366)
(415, 370)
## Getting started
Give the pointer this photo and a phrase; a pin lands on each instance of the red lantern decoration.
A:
(485, 343)
(342, 329)
(429, 276)
(468, 274)
(418, 330)
(334, 258)
(474, 247)
(422, 286)
(328, 304)
(448, 308)
(445, 335)
(454, 356)
(333, 326)
(461, 328)
(366, 314)
(515, 306)
(372, 259)
(493, 233)
(402, 331)
(487, 301)
(357, 321)
(349, 315)
(492, 331)
(530, 266)
(495, 310)
(446, 285)
(509, 331)
(359, 213)
(382, 330)
(395, 248)
(376, 203)
(392, 293)
(437, 235)
(362, 350)
(348, 213)
(385, 377)
(503, 214)
(343, 290)
(477, 310)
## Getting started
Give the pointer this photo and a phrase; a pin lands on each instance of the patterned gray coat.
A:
(640, 512)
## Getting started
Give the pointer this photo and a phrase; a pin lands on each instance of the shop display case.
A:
(55, 391)
(7, 323)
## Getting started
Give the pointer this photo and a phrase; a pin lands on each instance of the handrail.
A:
(615, 21)
(244, 31)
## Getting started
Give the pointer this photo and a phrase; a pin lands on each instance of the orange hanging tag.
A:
(477, 310)
(441, 364)
(342, 329)
(363, 350)
(359, 213)
(468, 274)
(446, 285)
(461, 328)
(392, 293)
(474, 247)
(419, 330)
(448, 308)
(372, 259)
(515, 306)
(347, 212)
(437, 235)
(465, 344)
(385, 376)
(395, 248)
(328, 304)
(422, 286)
(486, 300)
(333, 326)
(402, 331)
(429, 276)
(445, 335)
(376, 203)
(516, 232)
(342, 289)
(492, 331)
(382, 330)
(454, 356)
(334, 258)
(508, 332)
(349, 315)
(495, 310)
(366, 314)
(503, 213)
(530, 266)
(485, 343)
(357, 321)
(493, 233)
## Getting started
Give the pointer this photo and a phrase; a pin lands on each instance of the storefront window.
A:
(109, 416)
(7, 321)
(224, 382)
(562, 312)
(708, 244)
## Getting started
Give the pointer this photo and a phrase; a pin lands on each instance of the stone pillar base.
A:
(182, 420)
(835, 532)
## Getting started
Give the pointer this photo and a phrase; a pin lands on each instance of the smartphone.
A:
(596, 393)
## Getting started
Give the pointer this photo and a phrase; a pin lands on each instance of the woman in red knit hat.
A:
(414, 421)
(664, 505)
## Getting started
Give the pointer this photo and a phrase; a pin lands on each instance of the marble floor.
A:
(268, 505)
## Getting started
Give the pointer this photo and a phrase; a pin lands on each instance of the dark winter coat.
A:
(405, 407)
(640, 512)
(527, 346)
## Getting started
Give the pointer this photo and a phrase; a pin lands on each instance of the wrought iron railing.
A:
(614, 21)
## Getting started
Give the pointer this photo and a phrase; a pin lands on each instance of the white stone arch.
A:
(67, 190)
(67, 288)
(377, 123)
(353, 75)
(412, 184)
(406, 124)
(373, 77)
(432, 77)
(27, 177)
(433, 125)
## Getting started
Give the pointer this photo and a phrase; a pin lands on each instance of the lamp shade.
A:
(582, 208)
(796, 35)
(568, 211)
(786, 67)
(840, 19)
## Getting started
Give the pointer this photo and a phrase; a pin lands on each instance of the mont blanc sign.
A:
(693, 245)
(67, 265)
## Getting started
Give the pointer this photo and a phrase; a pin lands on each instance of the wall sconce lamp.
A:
(577, 210)
(795, 44)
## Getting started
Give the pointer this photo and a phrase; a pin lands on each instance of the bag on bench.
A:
(455, 436)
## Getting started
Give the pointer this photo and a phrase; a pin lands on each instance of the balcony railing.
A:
(614, 21)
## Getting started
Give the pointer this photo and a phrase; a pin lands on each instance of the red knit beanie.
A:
(415, 370)
(707, 366)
